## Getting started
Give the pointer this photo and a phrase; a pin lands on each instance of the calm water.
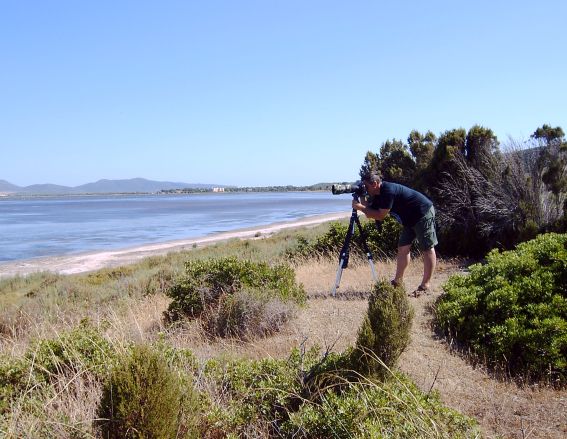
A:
(38, 227)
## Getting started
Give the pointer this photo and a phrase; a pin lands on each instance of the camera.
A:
(355, 188)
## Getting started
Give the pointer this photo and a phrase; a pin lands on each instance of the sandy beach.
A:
(83, 262)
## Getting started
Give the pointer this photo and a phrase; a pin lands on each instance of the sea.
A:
(36, 227)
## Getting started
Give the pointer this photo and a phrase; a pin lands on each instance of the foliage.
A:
(83, 347)
(552, 163)
(144, 398)
(513, 308)
(395, 409)
(82, 350)
(15, 378)
(421, 147)
(396, 163)
(370, 165)
(236, 297)
(473, 215)
(385, 331)
(247, 314)
(484, 197)
(309, 396)
(382, 240)
(254, 392)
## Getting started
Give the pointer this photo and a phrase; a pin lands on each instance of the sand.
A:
(83, 262)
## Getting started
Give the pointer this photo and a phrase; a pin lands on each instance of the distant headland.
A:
(144, 186)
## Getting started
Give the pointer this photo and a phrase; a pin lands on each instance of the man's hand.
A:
(357, 205)
(377, 214)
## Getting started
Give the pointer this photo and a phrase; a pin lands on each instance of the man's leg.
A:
(429, 262)
(402, 262)
(427, 237)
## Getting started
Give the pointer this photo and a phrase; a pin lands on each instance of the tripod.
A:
(345, 250)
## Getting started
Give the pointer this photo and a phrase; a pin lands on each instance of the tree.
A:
(396, 162)
(449, 145)
(481, 150)
(553, 158)
(422, 147)
(549, 134)
(553, 164)
(370, 166)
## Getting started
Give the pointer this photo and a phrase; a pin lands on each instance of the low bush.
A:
(236, 297)
(83, 347)
(44, 374)
(385, 330)
(14, 379)
(247, 314)
(309, 396)
(512, 310)
(382, 240)
(144, 398)
(253, 393)
(392, 409)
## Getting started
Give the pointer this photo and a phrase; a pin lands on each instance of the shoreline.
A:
(95, 260)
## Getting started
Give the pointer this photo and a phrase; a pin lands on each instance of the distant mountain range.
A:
(132, 185)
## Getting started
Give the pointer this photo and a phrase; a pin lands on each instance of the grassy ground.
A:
(129, 302)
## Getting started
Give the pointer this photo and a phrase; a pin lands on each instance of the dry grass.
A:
(502, 408)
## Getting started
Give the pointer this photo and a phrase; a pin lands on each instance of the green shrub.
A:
(83, 347)
(260, 394)
(144, 398)
(309, 396)
(382, 241)
(512, 310)
(385, 331)
(392, 409)
(14, 379)
(220, 290)
(255, 391)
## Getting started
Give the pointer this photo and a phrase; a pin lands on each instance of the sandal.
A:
(419, 291)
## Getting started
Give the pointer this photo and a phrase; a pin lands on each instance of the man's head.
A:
(372, 182)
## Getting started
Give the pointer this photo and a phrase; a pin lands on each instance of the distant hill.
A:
(132, 185)
(8, 187)
(45, 189)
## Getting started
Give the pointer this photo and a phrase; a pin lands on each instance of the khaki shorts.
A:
(424, 231)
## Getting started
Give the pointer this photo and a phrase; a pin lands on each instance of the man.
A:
(417, 215)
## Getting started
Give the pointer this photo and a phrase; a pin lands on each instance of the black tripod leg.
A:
(366, 249)
(345, 250)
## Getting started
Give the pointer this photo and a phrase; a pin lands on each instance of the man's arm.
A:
(377, 214)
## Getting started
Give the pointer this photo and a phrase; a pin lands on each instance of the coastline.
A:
(90, 261)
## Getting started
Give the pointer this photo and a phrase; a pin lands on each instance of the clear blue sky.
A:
(263, 92)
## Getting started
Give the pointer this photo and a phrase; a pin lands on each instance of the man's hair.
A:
(371, 177)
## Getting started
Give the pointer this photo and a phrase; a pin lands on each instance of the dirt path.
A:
(502, 409)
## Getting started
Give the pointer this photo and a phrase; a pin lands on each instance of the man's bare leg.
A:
(429, 263)
(402, 262)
